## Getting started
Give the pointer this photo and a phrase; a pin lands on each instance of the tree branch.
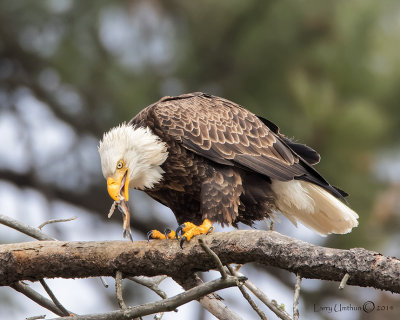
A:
(48, 259)
(37, 297)
(271, 304)
(151, 283)
(54, 298)
(210, 302)
(169, 304)
(215, 258)
(260, 313)
(23, 228)
(296, 297)
(54, 221)
(118, 290)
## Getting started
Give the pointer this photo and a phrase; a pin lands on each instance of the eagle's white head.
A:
(131, 157)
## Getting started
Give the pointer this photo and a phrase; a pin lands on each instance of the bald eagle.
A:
(212, 161)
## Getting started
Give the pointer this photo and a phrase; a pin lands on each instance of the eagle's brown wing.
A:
(226, 133)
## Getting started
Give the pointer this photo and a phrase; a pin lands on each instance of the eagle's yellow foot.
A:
(189, 230)
(155, 234)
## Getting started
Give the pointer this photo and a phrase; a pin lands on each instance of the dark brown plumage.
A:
(222, 159)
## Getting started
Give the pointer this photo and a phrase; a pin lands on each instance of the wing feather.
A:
(224, 132)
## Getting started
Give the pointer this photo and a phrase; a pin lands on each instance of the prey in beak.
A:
(124, 209)
(118, 189)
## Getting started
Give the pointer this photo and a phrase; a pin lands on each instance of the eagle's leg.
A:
(155, 234)
(190, 230)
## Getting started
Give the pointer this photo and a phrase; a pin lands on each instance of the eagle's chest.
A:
(180, 188)
(184, 171)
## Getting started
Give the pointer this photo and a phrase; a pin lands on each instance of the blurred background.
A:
(326, 72)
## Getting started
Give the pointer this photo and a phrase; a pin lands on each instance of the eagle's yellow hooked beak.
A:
(118, 185)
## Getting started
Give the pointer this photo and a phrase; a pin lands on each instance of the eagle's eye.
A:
(120, 164)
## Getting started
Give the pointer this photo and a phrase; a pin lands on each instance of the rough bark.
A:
(50, 259)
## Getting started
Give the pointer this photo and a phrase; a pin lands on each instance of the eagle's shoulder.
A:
(226, 133)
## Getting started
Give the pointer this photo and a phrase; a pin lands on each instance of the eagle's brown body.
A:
(221, 159)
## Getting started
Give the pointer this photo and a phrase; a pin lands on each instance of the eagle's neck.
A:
(146, 153)
(142, 151)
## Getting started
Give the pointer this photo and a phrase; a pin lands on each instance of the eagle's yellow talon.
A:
(169, 234)
(155, 234)
(190, 230)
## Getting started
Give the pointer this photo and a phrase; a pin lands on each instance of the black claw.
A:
(210, 230)
(128, 234)
(149, 235)
(178, 232)
(183, 239)
(167, 231)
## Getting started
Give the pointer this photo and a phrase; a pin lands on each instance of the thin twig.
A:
(55, 221)
(296, 297)
(36, 317)
(271, 304)
(260, 313)
(211, 302)
(151, 283)
(104, 282)
(214, 257)
(166, 304)
(344, 281)
(24, 228)
(53, 297)
(118, 290)
(37, 297)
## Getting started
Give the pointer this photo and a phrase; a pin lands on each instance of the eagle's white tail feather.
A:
(313, 206)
